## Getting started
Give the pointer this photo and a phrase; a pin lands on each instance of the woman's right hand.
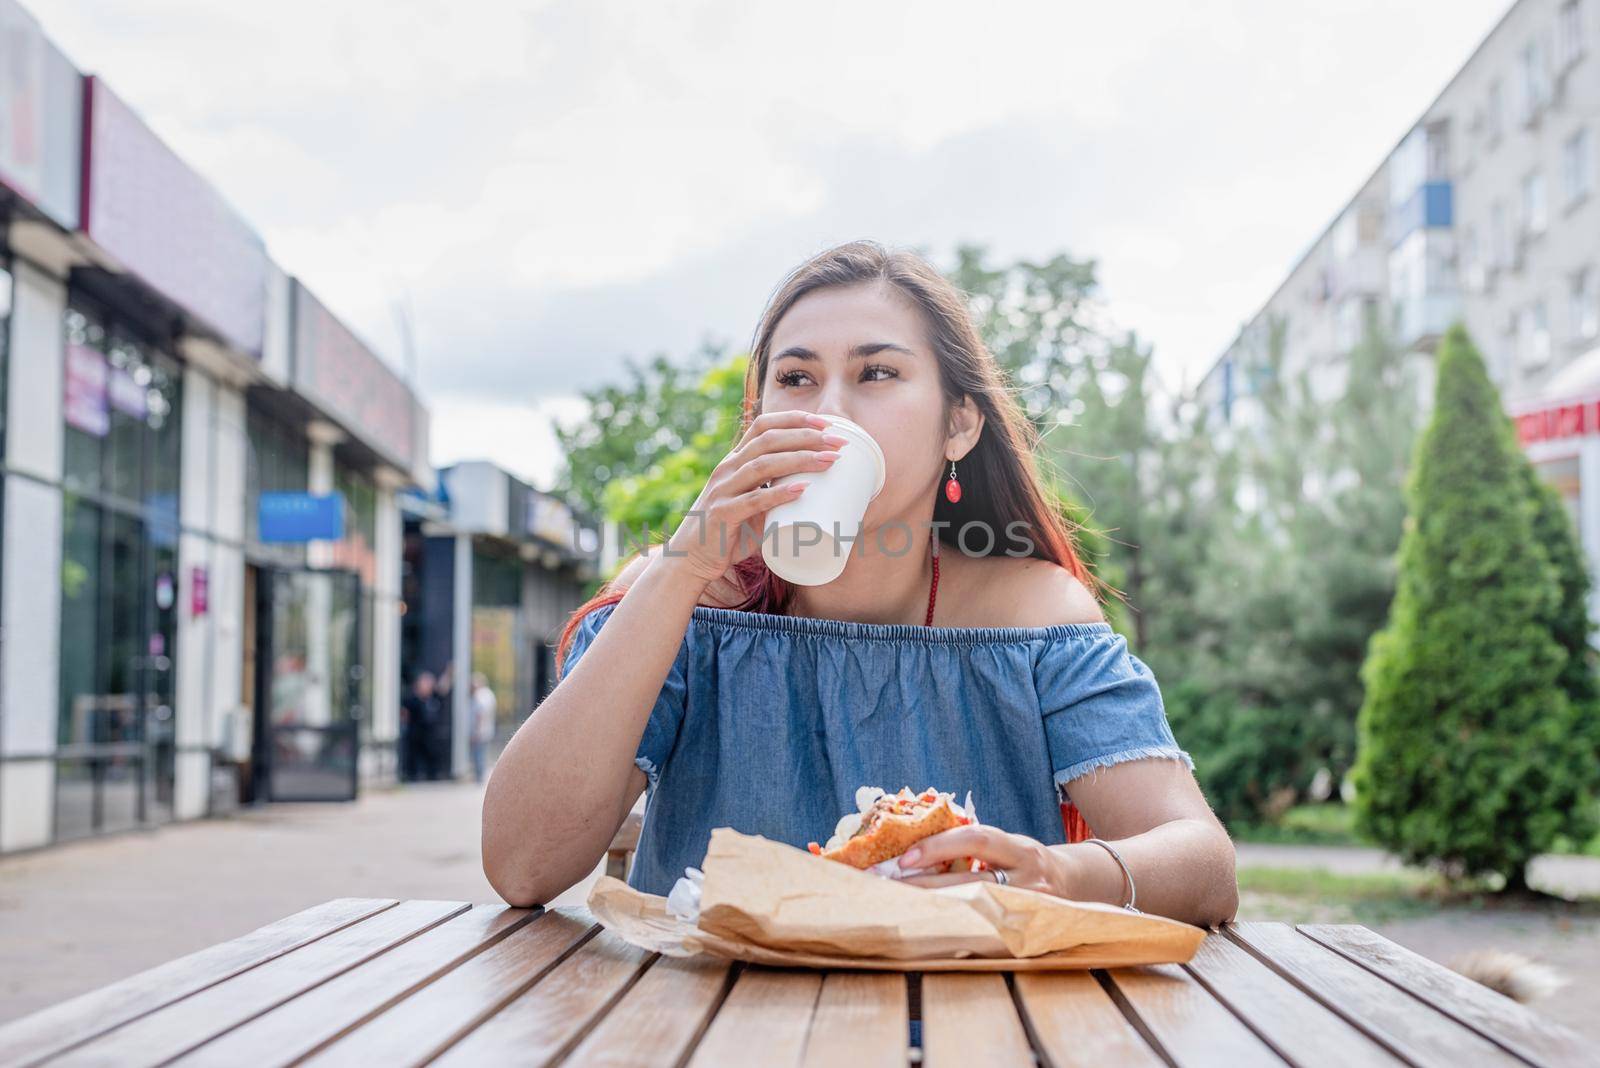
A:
(725, 524)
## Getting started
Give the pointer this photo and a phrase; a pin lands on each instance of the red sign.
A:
(1561, 421)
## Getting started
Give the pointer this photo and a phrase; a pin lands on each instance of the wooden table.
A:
(378, 982)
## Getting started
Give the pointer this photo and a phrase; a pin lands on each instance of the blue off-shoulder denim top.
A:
(769, 723)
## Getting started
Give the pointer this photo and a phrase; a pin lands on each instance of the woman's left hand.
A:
(1026, 861)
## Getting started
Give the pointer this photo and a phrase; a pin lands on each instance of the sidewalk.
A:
(1564, 875)
(82, 915)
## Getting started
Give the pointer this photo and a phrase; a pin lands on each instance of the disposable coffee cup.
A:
(808, 540)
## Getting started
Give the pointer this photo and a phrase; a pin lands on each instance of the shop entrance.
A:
(308, 674)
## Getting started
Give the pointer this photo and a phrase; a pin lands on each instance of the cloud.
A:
(555, 185)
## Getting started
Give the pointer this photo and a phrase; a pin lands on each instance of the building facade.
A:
(1487, 212)
(492, 570)
(200, 542)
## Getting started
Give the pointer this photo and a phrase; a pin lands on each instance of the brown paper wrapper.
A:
(770, 903)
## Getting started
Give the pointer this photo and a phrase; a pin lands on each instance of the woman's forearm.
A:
(567, 779)
(1183, 869)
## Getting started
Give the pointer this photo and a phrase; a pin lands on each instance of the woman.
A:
(971, 655)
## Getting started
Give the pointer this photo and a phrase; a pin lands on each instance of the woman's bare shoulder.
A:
(724, 593)
(1028, 592)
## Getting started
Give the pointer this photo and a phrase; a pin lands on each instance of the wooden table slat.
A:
(1295, 1024)
(1073, 1021)
(38, 1036)
(660, 1017)
(1412, 1029)
(969, 1018)
(767, 1013)
(862, 1019)
(1493, 1015)
(417, 1028)
(550, 1017)
(363, 982)
(177, 1028)
(1188, 1025)
(315, 1018)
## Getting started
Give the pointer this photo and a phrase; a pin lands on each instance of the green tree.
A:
(653, 501)
(1032, 316)
(1467, 739)
(1260, 611)
(629, 427)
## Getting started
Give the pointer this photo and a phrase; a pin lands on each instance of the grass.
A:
(1334, 824)
(1304, 825)
(1316, 895)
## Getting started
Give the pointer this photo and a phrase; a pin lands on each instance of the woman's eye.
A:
(889, 372)
(787, 378)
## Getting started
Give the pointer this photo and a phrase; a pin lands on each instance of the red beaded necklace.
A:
(933, 590)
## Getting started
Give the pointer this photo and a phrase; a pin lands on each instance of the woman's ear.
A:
(966, 425)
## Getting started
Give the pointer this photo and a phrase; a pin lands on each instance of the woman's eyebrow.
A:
(859, 352)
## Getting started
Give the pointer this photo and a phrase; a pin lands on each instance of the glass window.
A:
(1535, 217)
(278, 461)
(5, 338)
(1535, 79)
(119, 578)
(1533, 335)
(1499, 234)
(1577, 165)
(86, 406)
(1495, 112)
(1569, 32)
(1584, 303)
(358, 550)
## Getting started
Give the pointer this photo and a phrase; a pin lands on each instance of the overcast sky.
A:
(553, 186)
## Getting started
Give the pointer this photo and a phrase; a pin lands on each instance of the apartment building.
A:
(1486, 211)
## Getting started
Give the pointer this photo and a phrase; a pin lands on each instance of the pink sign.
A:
(85, 401)
(199, 591)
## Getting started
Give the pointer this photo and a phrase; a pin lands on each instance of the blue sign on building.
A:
(301, 517)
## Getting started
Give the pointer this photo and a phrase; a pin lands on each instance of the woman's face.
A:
(863, 352)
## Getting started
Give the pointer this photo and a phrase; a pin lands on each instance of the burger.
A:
(885, 825)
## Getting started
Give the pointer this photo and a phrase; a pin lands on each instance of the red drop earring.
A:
(952, 488)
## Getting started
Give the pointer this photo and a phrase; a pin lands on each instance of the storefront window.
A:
(278, 462)
(119, 577)
(358, 553)
(5, 338)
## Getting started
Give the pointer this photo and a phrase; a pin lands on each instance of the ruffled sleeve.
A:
(1101, 705)
(661, 731)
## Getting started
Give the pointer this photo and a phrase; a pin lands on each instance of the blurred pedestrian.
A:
(418, 712)
(441, 741)
(484, 707)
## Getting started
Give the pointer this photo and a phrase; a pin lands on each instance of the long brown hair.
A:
(1000, 483)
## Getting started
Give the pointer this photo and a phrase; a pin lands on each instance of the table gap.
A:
(576, 1038)
(1119, 999)
(716, 1007)
(1266, 1039)
(516, 992)
(914, 1017)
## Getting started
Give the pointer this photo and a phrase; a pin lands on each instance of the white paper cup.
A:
(808, 540)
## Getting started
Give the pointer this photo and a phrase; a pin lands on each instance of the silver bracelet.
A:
(1132, 893)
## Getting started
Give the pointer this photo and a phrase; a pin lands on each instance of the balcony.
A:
(1430, 205)
(1420, 321)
